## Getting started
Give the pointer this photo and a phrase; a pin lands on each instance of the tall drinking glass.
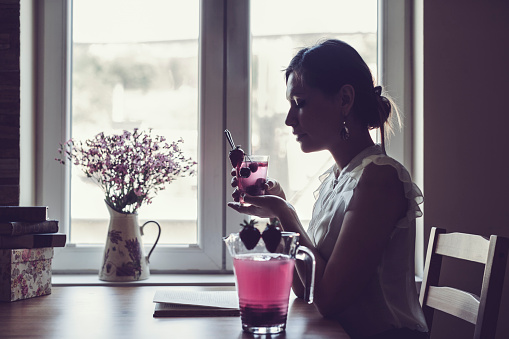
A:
(264, 280)
(252, 174)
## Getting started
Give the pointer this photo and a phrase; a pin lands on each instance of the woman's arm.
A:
(377, 204)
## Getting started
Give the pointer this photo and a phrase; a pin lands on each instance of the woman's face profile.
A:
(313, 116)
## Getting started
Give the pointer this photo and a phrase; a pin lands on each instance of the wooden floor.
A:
(126, 312)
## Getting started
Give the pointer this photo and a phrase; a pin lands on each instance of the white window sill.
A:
(153, 280)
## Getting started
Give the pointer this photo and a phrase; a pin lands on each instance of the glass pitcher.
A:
(264, 280)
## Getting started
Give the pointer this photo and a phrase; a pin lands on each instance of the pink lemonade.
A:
(254, 183)
(263, 283)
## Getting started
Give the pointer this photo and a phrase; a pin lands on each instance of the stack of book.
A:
(27, 239)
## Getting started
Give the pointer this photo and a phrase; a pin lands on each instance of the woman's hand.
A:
(272, 187)
(263, 206)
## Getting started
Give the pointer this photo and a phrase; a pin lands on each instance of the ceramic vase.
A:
(124, 258)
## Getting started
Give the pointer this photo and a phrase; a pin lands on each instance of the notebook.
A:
(189, 303)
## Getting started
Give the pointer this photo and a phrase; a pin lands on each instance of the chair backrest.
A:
(482, 311)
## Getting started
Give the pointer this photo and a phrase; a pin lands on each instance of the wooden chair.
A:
(481, 311)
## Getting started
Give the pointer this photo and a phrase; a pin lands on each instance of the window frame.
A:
(224, 69)
(398, 44)
(53, 124)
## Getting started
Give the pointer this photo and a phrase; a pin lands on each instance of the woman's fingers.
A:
(245, 209)
(270, 206)
(236, 195)
(251, 210)
(259, 200)
(273, 188)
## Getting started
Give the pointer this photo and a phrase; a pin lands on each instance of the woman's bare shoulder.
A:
(379, 188)
(385, 175)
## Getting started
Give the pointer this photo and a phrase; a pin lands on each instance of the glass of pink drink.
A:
(252, 174)
(264, 281)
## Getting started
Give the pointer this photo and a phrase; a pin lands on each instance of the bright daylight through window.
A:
(136, 66)
(277, 34)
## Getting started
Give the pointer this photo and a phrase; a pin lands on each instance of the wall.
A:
(28, 81)
(466, 116)
(9, 102)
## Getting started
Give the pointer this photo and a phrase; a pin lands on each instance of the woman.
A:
(363, 225)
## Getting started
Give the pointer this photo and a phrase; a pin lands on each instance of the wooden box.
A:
(25, 273)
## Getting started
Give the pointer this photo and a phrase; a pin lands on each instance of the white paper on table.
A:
(219, 299)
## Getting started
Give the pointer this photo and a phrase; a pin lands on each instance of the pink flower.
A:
(138, 191)
(136, 162)
(25, 255)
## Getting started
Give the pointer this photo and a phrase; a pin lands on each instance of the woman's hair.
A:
(331, 64)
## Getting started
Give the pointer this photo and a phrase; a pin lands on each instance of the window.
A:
(135, 69)
(228, 78)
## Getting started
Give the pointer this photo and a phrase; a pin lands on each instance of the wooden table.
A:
(126, 312)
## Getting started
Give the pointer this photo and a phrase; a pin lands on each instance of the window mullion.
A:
(238, 83)
(211, 181)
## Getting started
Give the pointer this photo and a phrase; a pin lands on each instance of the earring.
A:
(344, 132)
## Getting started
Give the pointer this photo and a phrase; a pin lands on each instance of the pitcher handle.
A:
(305, 254)
(158, 236)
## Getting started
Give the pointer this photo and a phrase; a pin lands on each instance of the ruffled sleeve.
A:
(335, 193)
(412, 192)
(324, 178)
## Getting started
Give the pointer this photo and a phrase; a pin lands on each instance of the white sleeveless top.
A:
(390, 299)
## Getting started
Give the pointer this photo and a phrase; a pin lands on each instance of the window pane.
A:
(135, 65)
(279, 29)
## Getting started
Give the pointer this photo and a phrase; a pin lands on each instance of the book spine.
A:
(23, 213)
(33, 241)
(19, 227)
